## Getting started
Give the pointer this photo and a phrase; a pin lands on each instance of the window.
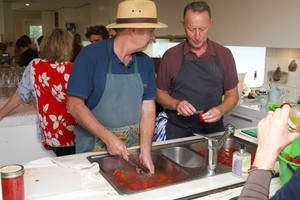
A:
(35, 32)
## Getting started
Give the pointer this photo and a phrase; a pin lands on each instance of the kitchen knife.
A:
(140, 166)
(195, 113)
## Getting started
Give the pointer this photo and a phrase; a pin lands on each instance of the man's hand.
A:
(213, 115)
(185, 108)
(116, 147)
(146, 160)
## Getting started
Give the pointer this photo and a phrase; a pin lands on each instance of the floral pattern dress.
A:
(50, 82)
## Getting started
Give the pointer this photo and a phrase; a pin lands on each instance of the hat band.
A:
(136, 20)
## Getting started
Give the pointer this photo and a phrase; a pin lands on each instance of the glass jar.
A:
(263, 99)
(12, 182)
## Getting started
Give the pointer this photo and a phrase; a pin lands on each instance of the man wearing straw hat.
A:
(112, 90)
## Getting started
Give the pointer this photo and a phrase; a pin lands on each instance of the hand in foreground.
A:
(146, 160)
(213, 115)
(116, 147)
(273, 137)
(185, 108)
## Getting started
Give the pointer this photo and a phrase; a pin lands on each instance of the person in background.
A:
(77, 46)
(193, 76)
(273, 136)
(112, 32)
(96, 33)
(46, 79)
(114, 101)
(27, 53)
(39, 40)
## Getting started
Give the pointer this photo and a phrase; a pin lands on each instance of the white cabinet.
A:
(244, 117)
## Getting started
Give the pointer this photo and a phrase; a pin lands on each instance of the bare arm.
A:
(230, 101)
(146, 130)
(86, 119)
(11, 104)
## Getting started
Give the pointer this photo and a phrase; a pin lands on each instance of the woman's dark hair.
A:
(23, 41)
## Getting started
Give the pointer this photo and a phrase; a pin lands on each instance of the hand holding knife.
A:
(198, 112)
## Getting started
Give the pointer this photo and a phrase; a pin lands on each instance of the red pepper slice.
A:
(117, 173)
(146, 185)
(201, 117)
(134, 186)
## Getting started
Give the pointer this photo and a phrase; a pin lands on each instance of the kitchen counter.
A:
(24, 114)
(73, 177)
(18, 132)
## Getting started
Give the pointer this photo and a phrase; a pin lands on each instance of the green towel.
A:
(252, 132)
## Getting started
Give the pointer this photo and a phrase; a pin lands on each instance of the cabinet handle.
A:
(241, 117)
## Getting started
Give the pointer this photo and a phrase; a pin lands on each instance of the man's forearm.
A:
(164, 99)
(147, 125)
(86, 118)
(230, 101)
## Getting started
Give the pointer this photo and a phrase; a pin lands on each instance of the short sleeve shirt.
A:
(88, 75)
(50, 81)
(172, 60)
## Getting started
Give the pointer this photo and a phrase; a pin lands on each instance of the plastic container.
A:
(285, 173)
(263, 99)
(12, 182)
(241, 162)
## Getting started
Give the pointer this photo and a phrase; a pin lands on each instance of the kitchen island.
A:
(74, 177)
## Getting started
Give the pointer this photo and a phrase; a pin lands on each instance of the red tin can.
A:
(12, 182)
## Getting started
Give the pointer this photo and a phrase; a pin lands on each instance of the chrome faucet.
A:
(213, 146)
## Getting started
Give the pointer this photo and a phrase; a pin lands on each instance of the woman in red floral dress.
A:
(50, 74)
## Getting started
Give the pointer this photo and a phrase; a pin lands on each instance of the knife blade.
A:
(195, 113)
(140, 166)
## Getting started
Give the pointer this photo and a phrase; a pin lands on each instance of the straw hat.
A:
(137, 14)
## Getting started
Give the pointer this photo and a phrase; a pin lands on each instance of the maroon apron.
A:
(201, 84)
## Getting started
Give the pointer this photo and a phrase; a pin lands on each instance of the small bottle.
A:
(241, 162)
(263, 98)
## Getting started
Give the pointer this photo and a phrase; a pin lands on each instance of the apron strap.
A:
(110, 65)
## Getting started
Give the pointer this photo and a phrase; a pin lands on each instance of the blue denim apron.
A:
(119, 110)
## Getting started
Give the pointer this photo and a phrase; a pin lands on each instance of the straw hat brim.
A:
(137, 25)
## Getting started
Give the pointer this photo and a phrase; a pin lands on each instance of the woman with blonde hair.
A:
(46, 79)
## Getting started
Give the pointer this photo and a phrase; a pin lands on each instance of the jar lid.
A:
(11, 171)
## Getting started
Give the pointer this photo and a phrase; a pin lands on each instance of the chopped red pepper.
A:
(117, 173)
(201, 117)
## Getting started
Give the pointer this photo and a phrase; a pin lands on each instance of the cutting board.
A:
(48, 181)
(250, 132)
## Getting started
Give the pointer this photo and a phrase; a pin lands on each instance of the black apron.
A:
(201, 84)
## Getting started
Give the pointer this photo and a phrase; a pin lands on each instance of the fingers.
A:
(185, 108)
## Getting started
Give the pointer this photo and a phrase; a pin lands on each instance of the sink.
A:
(166, 172)
(226, 151)
(184, 157)
(174, 163)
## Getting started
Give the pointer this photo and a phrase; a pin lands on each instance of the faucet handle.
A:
(229, 130)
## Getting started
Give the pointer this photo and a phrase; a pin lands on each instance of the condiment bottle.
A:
(294, 118)
(12, 182)
(241, 162)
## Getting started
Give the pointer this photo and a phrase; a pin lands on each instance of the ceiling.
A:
(46, 4)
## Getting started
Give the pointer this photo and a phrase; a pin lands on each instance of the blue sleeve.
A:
(149, 79)
(25, 88)
(81, 79)
(290, 190)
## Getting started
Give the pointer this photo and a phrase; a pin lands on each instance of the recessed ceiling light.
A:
(27, 4)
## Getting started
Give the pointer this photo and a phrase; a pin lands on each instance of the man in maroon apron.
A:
(112, 91)
(193, 76)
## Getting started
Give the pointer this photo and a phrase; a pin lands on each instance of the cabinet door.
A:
(240, 120)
